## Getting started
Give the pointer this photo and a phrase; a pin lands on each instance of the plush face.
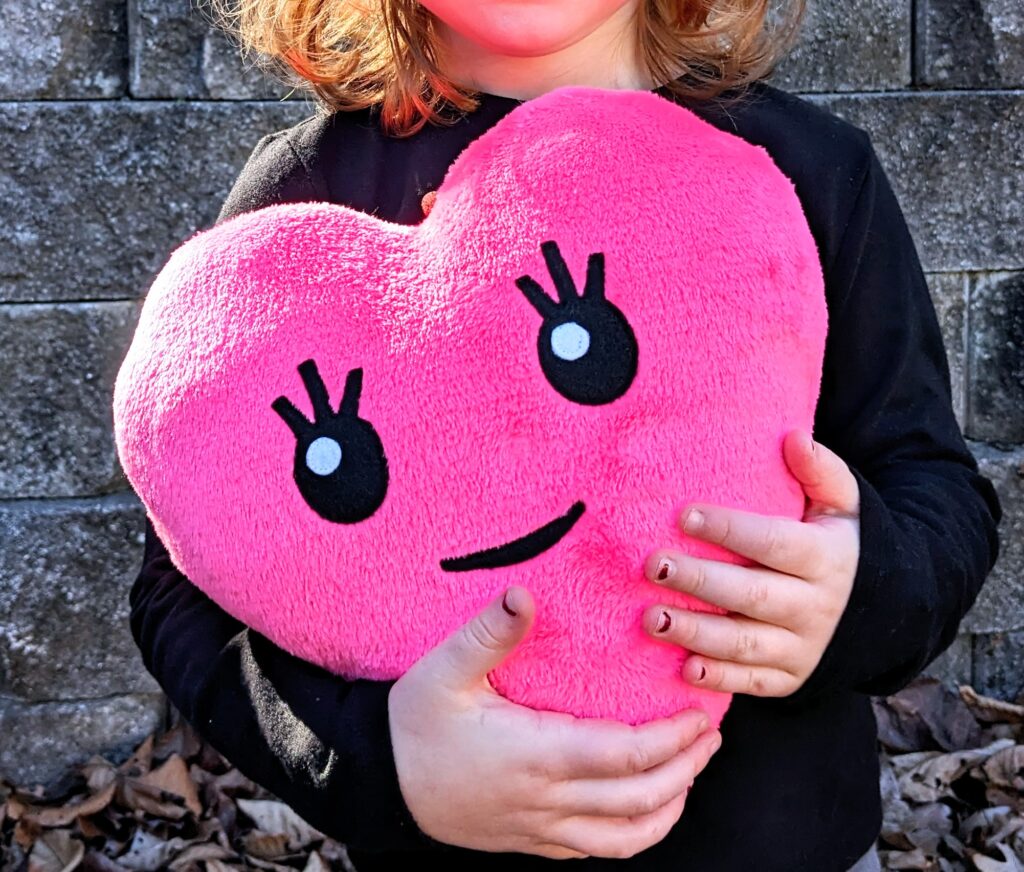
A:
(353, 434)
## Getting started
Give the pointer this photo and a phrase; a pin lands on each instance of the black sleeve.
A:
(928, 518)
(320, 743)
(274, 173)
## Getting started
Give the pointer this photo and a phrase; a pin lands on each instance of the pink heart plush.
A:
(353, 434)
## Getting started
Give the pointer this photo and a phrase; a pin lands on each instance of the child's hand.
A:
(481, 772)
(785, 610)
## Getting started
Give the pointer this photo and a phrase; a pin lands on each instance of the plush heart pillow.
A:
(352, 434)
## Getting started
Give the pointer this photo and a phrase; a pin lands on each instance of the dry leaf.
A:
(140, 761)
(196, 853)
(276, 817)
(932, 778)
(99, 773)
(15, 807)
(151, 799)
(56, 851)
(173, 777)
(990, 709)
(269, 865)
(26, 832)
(147, 853)
(66, 814)
(926, 826)
(266, 846)
(1008, 863)
(915, 859)
(924, 715)
(315, 863)
(96, 862)
(1006, 768)
(180, 740)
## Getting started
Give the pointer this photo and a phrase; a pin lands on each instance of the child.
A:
(855, 599)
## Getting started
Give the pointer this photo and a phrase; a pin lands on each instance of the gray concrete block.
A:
(849, 47)
(999, 665)
(995, 397)
(178, 51)
(96, 195)
(56, 51)
(66, 568)
(956, 164)
(58, 363)
(42, 740)
(953, 665)
(1000, 605)
(949, 294)
(970, 43)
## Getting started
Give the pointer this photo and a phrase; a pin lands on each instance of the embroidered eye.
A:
(340, 467)
(570, 341)
(588, 351)
(323, 455)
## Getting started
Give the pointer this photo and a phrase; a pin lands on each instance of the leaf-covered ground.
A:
(952, 782)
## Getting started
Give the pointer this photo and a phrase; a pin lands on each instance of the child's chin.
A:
(523, 28)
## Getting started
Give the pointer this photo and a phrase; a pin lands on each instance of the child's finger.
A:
(777, 542)
(758, 593)
(619, 838)
(466, 656)
(723, 637)
(559, 852)
(596, 748)
(726, 677)
(823, 474)
(642, 794)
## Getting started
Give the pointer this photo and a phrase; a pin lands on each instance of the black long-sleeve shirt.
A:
(794, 785)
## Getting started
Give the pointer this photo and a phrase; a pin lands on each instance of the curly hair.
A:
(354, 54)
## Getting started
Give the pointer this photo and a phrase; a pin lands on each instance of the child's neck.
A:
(606, 58)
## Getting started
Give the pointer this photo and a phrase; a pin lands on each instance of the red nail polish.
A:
(505, 606)
(703, 673)
(664, 622)
(663, 570)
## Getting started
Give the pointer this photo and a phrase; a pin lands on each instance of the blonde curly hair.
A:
(353, 54)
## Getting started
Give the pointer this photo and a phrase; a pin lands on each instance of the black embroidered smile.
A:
(518, 550)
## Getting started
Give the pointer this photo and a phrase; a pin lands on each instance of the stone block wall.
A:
(122, 127)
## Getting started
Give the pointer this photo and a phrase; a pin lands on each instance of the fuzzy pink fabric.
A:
(707, 255)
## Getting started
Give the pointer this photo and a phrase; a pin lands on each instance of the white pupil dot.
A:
(570, 341)
(323, 455)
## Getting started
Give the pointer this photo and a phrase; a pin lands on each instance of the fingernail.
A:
(508, 609)
(664, 622)
(716, 742)
(666, 568)
(694, 521)
(704, 724)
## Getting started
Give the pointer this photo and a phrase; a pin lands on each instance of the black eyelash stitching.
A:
(606, 370)
(355, 489)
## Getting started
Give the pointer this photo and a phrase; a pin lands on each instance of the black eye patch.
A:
(340, 467)
(588, 351)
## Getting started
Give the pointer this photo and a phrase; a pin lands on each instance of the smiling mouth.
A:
(518, 550)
